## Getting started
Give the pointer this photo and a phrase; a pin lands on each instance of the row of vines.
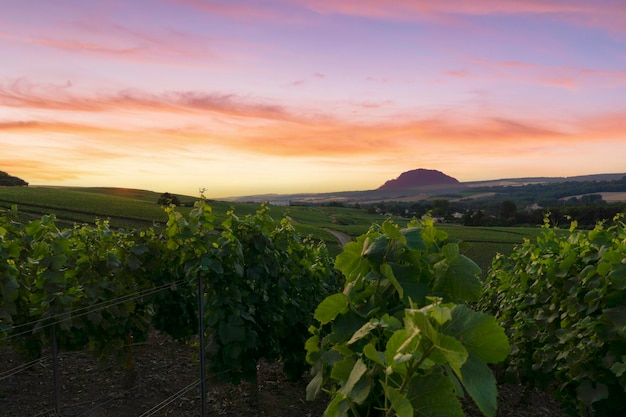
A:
(105, 289)
(562, 299)
(398, 324)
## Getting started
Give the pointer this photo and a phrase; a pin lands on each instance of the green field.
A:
(127, 208)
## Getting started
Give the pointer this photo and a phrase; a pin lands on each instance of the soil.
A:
(164, 368)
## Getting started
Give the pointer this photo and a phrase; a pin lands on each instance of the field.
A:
(129, 208)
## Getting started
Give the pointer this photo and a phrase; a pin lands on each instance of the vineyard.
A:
(397, 324)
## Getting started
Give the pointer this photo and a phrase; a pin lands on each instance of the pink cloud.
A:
(313, 77)
(458, 73)
(607, 14)
(569, 77)
(373, 104)
(244, 11)
(106, 39)
(23, 94)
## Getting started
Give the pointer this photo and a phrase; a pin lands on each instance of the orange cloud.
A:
(229, 122)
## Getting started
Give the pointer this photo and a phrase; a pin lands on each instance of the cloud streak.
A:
(23, 94)
(604, 14)
(291, 135)
(110, 40)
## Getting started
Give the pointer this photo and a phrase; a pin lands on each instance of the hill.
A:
(420, 178)
(423, 184)
(10, 180)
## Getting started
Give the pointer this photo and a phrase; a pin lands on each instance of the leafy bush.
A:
(562, 300)
(394, 342)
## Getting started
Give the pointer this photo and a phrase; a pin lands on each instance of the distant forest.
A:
(519, 205)
(10, 180)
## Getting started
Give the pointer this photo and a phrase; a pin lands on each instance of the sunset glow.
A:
(286, 96)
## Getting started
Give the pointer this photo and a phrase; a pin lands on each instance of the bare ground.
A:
(166, 385)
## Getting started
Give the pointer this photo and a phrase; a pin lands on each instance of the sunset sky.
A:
(284, 96)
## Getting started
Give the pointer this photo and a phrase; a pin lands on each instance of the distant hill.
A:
(420, 178)
(545, 180)
(417, 185)
(10, 180)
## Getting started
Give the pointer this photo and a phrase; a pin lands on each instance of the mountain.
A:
(420, 178)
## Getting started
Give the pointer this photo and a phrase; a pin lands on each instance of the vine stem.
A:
(409, 374)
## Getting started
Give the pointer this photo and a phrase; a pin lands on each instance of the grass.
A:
(83, 206)
(130, 208)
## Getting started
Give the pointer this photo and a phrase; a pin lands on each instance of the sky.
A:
(244, 97)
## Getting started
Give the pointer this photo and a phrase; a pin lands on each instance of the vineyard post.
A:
(201, 337)
(55, 369)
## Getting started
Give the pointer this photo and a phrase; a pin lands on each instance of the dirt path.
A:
(341, 237)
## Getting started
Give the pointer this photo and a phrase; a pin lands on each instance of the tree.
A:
(440, 207)
(591, 198)
(168, 199)
(507, 209)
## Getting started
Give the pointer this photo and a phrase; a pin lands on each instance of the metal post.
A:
(55, 370)
(202, 356)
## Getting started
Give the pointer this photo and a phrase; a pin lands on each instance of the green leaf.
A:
(590, 393)
(10, 290)
(618, 368)
(453, 352)
(344, 327)
(400, 403)
(391, 230)
(312, 348)
(397, 339)
(434, 396)
(333, 305)
(616, 317)
(446, 348)
(451, 251)
(371, 353)
(414, 240)
(314, 387)
(342, 369)
(338, 407)
(479, 333)
(480, 384)
(459, 279)
(440, 314)
(349, 261)
(229, 334)
(618, 277)
(387, 272)
(354, 387)
(375, 252)
(362, 332)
